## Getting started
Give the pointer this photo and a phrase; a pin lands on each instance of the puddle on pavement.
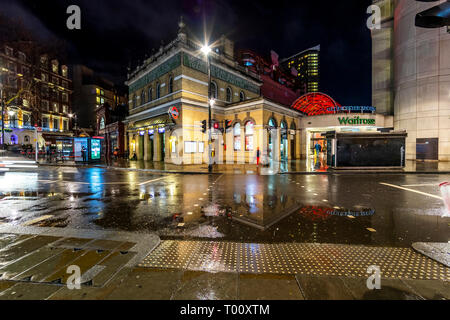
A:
(243, 217)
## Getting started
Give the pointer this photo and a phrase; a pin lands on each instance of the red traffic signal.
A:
(216, 125)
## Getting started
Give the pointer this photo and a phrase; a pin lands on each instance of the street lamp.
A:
(206, 50)
(3, 115)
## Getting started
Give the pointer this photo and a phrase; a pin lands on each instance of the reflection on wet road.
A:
(345, 209)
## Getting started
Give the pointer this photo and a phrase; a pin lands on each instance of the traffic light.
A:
(216, 125)
(435, 17)
(228, 124)
(204, 126)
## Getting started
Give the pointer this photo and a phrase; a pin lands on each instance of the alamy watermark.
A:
(374, 280)
(374, 21)
(74, 280)
(74, 20)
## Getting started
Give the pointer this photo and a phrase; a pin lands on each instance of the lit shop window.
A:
(237, 136)
(190, 147)
(249, 130)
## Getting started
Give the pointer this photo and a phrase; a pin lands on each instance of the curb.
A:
(334, 172)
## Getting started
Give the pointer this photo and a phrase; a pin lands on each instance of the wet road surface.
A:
(387, 210)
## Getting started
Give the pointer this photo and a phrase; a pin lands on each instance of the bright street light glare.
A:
(11, 113)
(205, 49)
(212, 101)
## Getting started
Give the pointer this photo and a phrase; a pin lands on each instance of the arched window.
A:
(237, 136)
(158, 91)
(283, 125)
(150, 94)
(249, 131)
(143, 97)
(102, 123)
(241, 96)
(213, 90)
(272, 123)
(229, 95)
(170, 84)
(293, 126)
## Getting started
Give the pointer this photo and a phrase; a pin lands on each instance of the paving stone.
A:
(391, 289)
(430, 289)
(91, 293)
(29, 291)
(268, 287)
(85, 262)
(6, 284)
(196, 285)
(147, 284)
(43, 270)
(27, 262)
(323, 288)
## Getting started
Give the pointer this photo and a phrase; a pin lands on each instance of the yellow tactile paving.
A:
(295, 258)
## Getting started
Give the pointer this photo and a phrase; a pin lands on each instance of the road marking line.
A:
(412, 190)
(421, 185)
(143, 183)
(30, 222)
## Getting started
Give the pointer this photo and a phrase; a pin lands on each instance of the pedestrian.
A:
(258, 155)
(84, 153)
(47, 151)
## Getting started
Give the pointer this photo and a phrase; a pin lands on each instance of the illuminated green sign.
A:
(156, 73)
(355, 120)
(219, 73)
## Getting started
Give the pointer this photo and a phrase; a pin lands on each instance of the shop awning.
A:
(160, 121)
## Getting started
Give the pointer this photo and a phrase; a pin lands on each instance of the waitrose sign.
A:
(355, 120)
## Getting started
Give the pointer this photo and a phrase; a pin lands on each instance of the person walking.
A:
(258, 155)
(84, 153)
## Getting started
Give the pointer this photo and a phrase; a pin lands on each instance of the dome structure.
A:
(313, 104)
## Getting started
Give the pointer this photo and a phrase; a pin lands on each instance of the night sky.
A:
(116, 33)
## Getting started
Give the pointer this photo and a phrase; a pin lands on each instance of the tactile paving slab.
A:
(295, 258)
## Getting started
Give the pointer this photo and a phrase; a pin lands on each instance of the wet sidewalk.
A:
(287, 167)
(33, 265)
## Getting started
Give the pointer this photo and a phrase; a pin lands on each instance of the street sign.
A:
(174, 113)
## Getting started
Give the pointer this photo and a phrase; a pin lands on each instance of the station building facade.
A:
(169, 100)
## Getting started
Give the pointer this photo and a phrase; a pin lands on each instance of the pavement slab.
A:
(268, 287)
(147, 284)
(28, 291)
(323, 288)
(391, 289)
(196, 285)
(27, 262)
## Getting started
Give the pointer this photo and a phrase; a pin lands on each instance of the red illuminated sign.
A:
(313, 104)
(174, 113)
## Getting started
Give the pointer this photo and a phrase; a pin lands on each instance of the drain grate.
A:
(295, 258)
